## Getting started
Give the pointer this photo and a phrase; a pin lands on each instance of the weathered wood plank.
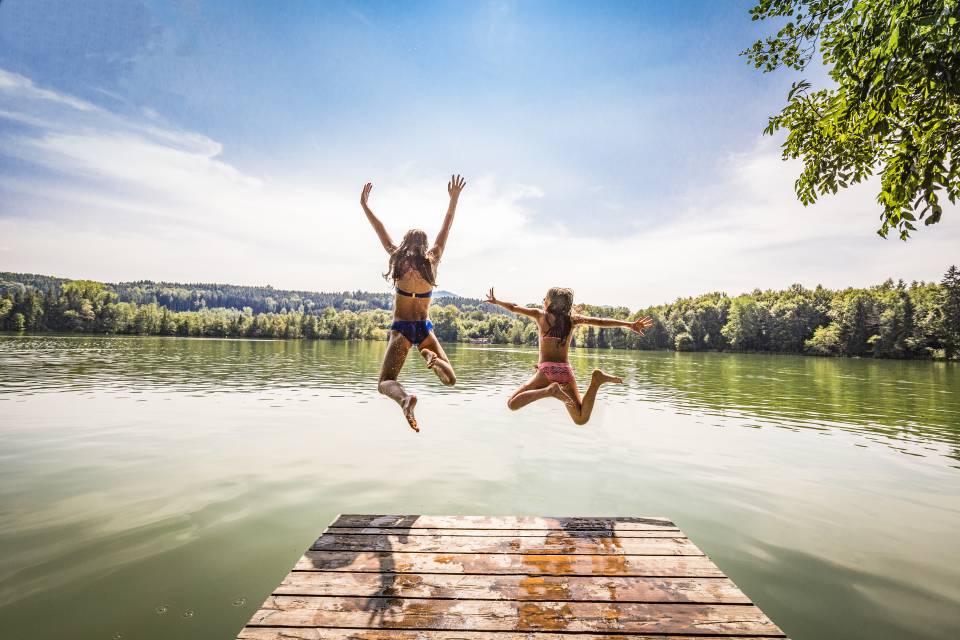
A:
(479, 544)
(499, 522)
(492, 615)
(507, 578)
(308, 633)
(655, 532)
(529, 564)
(513, 587)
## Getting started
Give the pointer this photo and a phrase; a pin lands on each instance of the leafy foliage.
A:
(891, 320)
(895, 107)
(947, 322)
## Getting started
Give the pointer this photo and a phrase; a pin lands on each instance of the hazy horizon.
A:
(615, 149)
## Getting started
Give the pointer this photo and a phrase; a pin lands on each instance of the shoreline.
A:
(471, 343)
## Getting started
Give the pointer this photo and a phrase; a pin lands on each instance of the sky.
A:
(615, 148)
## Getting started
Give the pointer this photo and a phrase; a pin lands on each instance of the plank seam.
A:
(527, 554)
(526, 533)
(627, 519)
(532, 575)
(466, 518)
(698, 603)
(599, 523)
(635, 526)
(544, 602)
(520, 573)
(481, 528)
(385, 532)
(510, 537)
(633, 634)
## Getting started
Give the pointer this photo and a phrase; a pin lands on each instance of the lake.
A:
(161, 487)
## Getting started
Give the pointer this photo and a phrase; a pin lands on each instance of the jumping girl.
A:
(413, 270)
(554, 377)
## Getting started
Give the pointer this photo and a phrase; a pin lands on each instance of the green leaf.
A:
(892, 105)
(894, 39)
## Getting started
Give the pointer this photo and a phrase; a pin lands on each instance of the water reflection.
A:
(913, 407)
(142, 478)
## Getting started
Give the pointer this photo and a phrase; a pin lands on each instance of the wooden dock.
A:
(504, 578)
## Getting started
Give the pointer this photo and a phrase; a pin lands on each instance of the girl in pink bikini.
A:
(554, 377)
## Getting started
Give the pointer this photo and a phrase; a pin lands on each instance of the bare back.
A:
(406, 307)
(552, 349)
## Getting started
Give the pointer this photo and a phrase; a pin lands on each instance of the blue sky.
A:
(612, 146)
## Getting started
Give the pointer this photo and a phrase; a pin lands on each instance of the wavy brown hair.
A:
(412, 254)
(560, 306)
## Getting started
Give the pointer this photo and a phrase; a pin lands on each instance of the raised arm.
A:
(514, 308)
(375, 221)
(637, 325)
(454, 187)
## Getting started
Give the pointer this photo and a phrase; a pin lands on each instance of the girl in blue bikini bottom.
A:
(416, 331)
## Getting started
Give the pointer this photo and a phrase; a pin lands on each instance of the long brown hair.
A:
(412, 254)
(560, 306)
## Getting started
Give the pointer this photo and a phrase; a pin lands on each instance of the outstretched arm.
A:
(375, 221)
(454, 187)
(637, 325)
(515, 308)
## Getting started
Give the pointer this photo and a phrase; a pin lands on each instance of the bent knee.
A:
(449, 380)
(511, 404)
(579, 420)
(382, 386)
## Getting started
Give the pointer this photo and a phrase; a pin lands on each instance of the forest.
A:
(889, 320)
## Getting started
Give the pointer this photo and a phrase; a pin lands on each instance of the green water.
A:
(159, 488)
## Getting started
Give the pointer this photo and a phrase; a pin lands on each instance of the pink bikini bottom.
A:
(556, 371)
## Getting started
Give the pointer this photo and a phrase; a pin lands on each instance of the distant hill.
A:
(178, 296)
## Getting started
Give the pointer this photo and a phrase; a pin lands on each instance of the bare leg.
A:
(580, 411)
(392, 364)
(437, 360)
(552, 390)
(537, 388)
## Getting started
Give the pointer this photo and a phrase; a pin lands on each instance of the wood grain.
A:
(550, 545)
(383, 577)
(312, 633)
(656, 532)
(513, 587)
(500, 522)
(494, 615)
(532, 564)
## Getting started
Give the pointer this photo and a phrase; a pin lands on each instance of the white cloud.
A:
(115, 199)
(14, 83)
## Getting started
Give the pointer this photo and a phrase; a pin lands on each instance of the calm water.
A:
(159, 488)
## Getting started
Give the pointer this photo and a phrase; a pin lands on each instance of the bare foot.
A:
(408, 405)
(602, 376)
(555, 390)
(430, 357)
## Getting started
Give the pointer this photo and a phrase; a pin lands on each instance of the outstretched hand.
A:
(492, 299)
(365, 193)
(456, 185)
(641, 323)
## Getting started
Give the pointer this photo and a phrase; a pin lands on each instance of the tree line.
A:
(890, 320)
(195, 297)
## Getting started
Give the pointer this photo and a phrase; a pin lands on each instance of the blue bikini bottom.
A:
(416, 331)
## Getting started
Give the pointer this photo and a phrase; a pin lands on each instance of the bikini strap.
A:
(428, 294)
